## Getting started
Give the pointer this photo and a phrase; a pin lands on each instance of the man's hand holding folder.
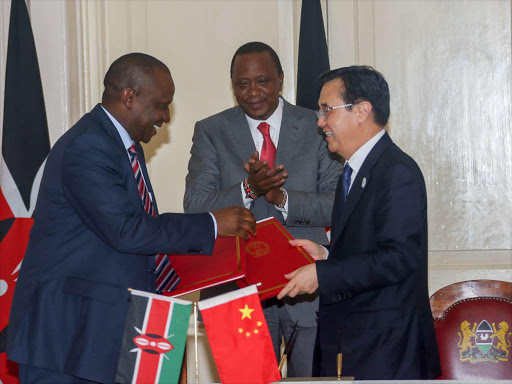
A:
(270, 256)
(303, 279)
(235, 221)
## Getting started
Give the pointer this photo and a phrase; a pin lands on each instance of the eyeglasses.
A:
(324, 112)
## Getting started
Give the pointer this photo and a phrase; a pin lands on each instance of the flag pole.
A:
(195, 343)
(288, 347)
(339, 360)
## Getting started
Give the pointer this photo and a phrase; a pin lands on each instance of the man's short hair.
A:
(134, 70)
(363, 83)
(256, 47)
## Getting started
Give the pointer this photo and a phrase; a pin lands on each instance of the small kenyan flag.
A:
(154, 339)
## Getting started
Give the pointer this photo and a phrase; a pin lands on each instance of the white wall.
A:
(448, 64)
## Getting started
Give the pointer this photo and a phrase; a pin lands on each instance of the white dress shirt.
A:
(275, 128)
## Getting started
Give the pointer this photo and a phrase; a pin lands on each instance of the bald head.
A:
(138, 92)
(135, 71)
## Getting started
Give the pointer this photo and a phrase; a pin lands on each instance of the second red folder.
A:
(269, 257)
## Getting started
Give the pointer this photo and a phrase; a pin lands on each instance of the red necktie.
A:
(268, 150)
(166, 277)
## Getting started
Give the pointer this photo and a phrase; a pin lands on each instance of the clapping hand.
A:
(263, 179)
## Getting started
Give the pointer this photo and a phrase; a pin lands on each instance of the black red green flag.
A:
(313, 54)
(154, 339)
(25, 146)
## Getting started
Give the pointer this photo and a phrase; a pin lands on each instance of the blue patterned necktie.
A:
(347, 172)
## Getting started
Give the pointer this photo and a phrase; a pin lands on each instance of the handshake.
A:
(263, 181)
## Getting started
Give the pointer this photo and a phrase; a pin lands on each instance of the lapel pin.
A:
(363, 183)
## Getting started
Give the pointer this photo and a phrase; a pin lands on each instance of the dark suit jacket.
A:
(91, 240)
(373, 286)
(223, 143)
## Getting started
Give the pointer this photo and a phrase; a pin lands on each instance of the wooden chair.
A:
(473, 321)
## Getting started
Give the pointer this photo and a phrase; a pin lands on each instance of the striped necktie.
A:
(166, 277)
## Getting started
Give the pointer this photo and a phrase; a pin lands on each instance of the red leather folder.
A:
(270, 257)
(197, 272)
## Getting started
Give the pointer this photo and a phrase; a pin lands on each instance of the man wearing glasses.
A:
(374, 305)
(267, 155)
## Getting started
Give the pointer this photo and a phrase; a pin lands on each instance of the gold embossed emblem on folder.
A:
(257, 248)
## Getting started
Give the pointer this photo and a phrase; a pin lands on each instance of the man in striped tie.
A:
(97, 232)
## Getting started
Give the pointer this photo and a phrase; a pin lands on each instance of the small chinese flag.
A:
(239, 337)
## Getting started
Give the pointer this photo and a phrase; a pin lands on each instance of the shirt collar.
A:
(358, 158)
(125, 136)
(274, 120)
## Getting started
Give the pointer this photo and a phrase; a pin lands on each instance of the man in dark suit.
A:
(373, 280)
(296, 185)
(92, 237)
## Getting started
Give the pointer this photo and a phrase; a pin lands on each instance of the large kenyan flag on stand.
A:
(25, 145)
(313, 58)
(154, 339)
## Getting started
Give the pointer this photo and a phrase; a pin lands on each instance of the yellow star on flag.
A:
(246, 312)
(240, 330)
(256, 331)
(259, 323)
(247, 334)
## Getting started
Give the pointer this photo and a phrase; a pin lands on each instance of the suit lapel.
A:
(358, 187)
(288, 136)
(240, 133)
(106, 124)
(336, 209)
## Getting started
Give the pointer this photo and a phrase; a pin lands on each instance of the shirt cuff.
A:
(246, 200)
(214, 223)
(326, 252)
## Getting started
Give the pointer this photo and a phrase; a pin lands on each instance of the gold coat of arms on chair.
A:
(472, 321)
